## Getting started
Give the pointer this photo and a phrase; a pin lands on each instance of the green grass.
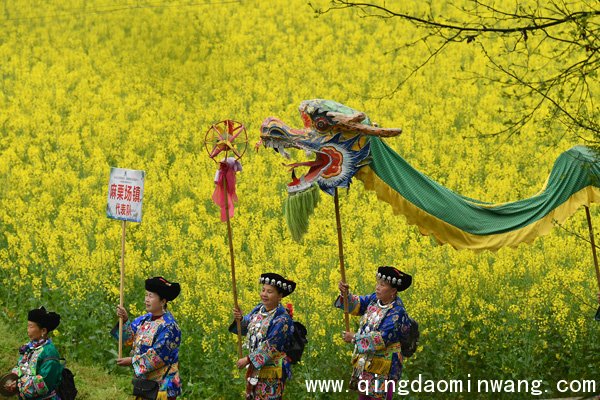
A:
(92, 381)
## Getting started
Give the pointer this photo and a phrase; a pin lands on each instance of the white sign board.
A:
(125, 194)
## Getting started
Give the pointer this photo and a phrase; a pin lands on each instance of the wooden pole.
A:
(122, 287)
(233, 282)
(341, 255)
(589, 220)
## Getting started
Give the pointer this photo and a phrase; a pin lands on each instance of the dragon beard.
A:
(297, 209)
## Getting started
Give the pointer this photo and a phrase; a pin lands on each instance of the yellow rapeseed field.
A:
(86, 85)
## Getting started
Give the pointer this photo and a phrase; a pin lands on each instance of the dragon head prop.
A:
(336, 135)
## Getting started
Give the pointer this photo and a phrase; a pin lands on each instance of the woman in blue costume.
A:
(268, 329)
(155, 338)
(377, 351)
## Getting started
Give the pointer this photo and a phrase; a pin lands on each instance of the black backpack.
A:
(66, 389)
(295, 347)
(411, 341)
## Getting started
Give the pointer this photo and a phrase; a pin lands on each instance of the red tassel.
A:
(290, 309)
(227, 171)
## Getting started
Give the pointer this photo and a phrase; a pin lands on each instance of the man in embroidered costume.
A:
(268, 329)
(155, 338)
(39, 371)
(377, 354)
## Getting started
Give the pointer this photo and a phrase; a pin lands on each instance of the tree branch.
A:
(533, 26)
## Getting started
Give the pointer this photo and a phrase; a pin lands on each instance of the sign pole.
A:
(125, 196)
(121, 290)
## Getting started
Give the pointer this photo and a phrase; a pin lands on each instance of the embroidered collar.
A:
(155, 317)
(263, 311)
(34, 344)
(167, 317)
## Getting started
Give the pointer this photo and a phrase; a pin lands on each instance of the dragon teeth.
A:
(279, 147)
(282, 151)
(302, 186)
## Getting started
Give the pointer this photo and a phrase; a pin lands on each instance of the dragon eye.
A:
(322, 124)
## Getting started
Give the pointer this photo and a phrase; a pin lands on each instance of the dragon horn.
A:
(353, 123)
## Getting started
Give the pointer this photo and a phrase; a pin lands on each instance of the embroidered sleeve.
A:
(278, 335)
(164, 350)
(32, 386)
(245, 321)
(129, 330)
(357, 305)
(15, 370)
(41, 384)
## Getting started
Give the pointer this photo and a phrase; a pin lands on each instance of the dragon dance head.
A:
(334, 134)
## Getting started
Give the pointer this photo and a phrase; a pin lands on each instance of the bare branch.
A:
(534, 24)
(557, 49)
